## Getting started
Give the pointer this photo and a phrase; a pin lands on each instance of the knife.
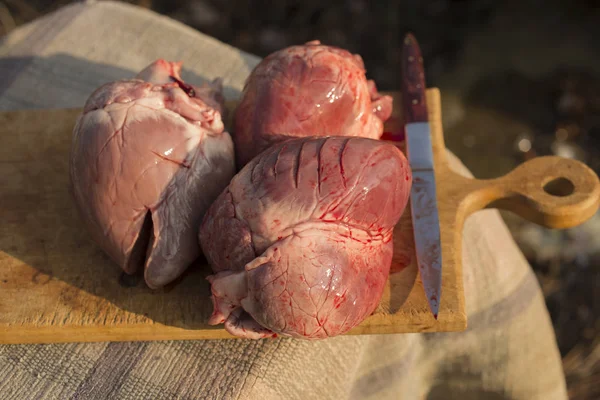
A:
(423, 200)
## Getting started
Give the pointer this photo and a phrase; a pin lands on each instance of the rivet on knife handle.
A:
(423, 197)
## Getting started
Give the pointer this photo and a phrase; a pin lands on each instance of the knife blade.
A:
(423, 197)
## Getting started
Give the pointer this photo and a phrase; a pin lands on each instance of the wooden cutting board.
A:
(57, 286)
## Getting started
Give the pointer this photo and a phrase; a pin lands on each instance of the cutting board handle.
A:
(551, 191)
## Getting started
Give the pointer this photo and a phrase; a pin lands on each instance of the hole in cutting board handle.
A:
(559, 187)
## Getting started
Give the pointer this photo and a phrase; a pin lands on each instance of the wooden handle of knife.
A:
(413, 82)
(551, 191)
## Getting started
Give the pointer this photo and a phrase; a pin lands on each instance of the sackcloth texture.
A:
(508, 352)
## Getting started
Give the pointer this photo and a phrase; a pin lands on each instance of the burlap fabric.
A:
(508, 352)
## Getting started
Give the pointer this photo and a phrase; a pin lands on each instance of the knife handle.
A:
(551, 191)
(413, 82)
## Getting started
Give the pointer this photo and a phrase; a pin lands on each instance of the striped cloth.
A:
(508, 352)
